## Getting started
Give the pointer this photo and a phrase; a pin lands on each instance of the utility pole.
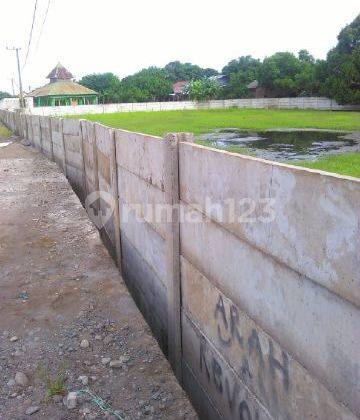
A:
(21, 99)
(12, 85)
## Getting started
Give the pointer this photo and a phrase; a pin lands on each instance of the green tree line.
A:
(282, 74)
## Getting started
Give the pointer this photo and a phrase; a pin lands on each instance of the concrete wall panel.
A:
(74, 156)
(316, 226)
(148, 290)
(58, 142)
(143, 198)
(149, 244)
(224, 387)
(282, 384)
(106, 164)
(29, 130)
(23, 122)
(36, 131)
(199, 398)
(283, 303)
(142, 155)
(46, 140)
(90, 160)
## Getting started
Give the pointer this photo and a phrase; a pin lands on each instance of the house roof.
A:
(222, 79)
(253, 85)
(178, 87)
(62, 87)
(60, 72)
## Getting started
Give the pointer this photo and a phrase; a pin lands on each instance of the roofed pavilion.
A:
(62, 90)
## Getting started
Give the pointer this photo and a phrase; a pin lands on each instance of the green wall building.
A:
(62, 91)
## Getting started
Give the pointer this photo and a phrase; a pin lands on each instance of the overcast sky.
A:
(123, 36)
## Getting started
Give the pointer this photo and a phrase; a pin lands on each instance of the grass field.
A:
(4, 132)
(204, 121)
(345, 164)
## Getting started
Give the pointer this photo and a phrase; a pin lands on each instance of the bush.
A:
(203, 89)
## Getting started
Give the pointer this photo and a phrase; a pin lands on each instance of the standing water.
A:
(284, 145)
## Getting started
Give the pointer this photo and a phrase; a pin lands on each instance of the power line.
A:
(43, 24)
(31, 32)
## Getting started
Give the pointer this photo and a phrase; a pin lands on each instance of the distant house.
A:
(222, 79)
(256, 91)
(62, 90)
(179, 90)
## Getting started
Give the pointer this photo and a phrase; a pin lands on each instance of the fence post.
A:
(91, 164)
(61, 124)
(188, 137)
(85, 190)
(25, 128)
(50, 138)
(95, 165)
(41, 137)
(115, 190)
(172, 252)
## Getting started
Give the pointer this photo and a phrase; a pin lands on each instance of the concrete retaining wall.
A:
(252, 289)
(74, 161)
(287, 103)
(46, 141)
(140, 171)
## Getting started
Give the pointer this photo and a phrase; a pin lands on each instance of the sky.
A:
(124, 36)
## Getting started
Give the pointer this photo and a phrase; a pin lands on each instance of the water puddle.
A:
(284, 145)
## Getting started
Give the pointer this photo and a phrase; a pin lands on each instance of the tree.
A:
(186, 71)
(103, 83)
(281, 65)
(203, 89)
(241, 72)
(242, 64)
(151, 84)
(305, 56)
(342, 70)
(284, 74)
(5, 95)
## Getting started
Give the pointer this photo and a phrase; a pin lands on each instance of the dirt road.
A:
(67, 321)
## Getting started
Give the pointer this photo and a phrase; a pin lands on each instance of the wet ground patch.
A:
(283, 145)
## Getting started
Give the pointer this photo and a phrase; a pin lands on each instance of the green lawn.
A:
(203, 121)
(345, 164)
(4, 132)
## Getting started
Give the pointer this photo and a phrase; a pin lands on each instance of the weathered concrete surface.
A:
(319, 328)
(141, 155)
(28, 128)
(24, 132)
(316, 225)
(147, 289)
(36, 131)
(74, 156)
(140, 172)
(280, 382)
(90, 157)
(46, 141)
(71, 290)
(107, 185)
(57, 142)
(143, 199)
(218, 379)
